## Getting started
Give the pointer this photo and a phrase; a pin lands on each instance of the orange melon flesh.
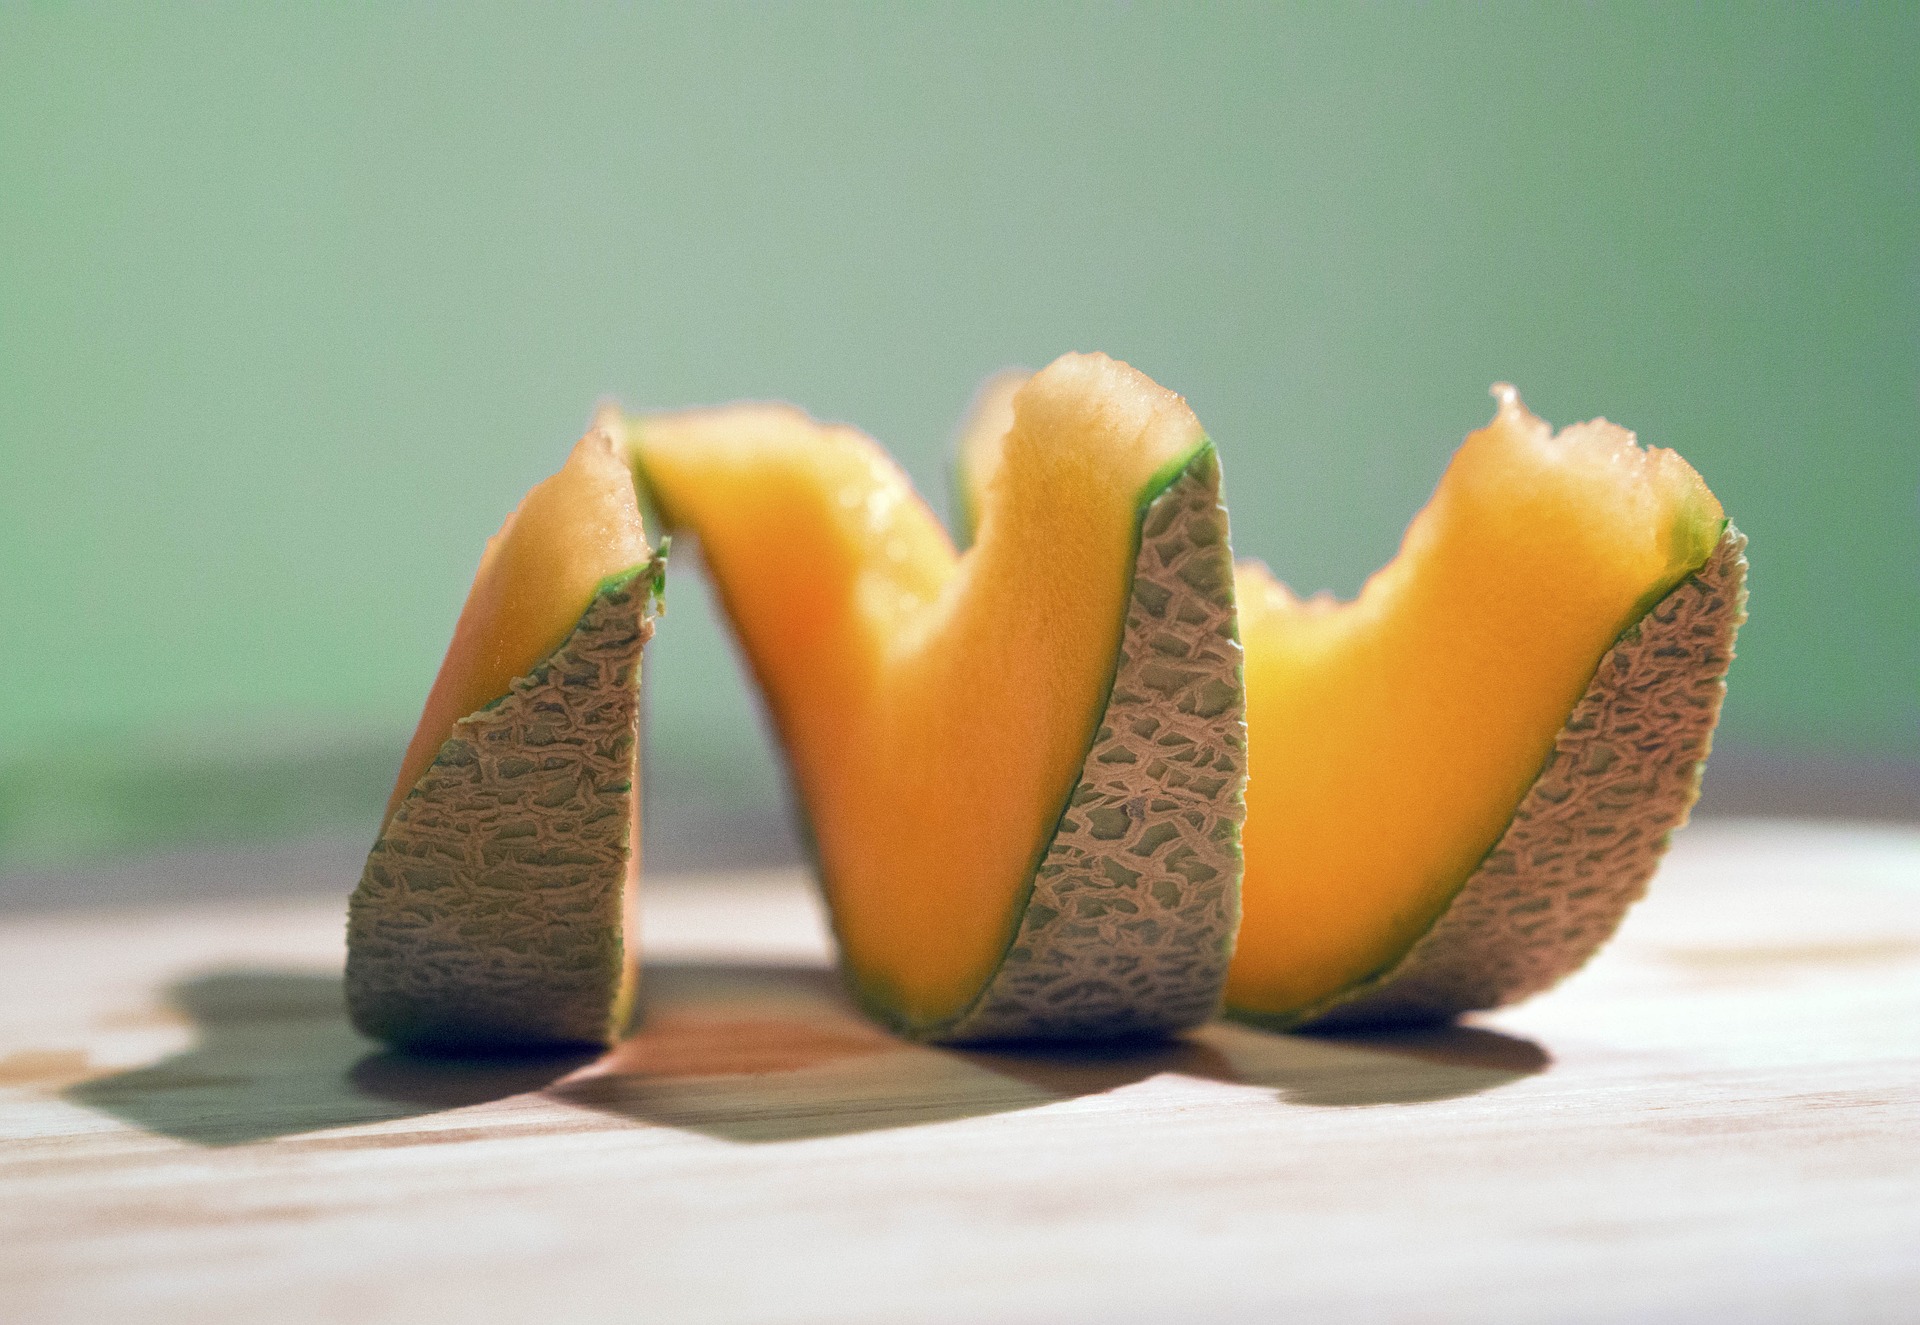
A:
(1390, 739)
(536, 578)
(935, 707)
(977, 444)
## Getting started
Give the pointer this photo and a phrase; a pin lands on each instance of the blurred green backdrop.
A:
(294, 305)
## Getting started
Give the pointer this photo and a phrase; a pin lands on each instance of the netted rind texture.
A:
(1624, 773)
(1136, 901)
(490, 912)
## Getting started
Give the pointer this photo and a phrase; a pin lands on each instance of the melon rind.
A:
(492, 911)
(1624, 774)
(1129, 918)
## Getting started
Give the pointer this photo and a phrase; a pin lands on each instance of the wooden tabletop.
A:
(1720, 1119)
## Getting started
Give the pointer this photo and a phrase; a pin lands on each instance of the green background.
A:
(295, 304)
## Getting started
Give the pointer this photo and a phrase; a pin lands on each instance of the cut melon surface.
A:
(1461, 779)
(976, 446)
(495, 904)
(1020, 767)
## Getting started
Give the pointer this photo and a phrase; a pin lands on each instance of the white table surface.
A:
(1718, 1120)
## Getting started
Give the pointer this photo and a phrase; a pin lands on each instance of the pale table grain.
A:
(1720, 1120)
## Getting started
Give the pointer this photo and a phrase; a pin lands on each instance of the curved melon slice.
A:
(1462, 779)
(1021, 768)
(493, 907)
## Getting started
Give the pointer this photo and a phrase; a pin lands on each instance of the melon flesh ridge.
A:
(976, 452)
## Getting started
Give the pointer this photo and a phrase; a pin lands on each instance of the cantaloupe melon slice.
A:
(495, 907)
(1461, 780)
(1021, 767)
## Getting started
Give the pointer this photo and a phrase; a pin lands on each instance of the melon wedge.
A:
(1461, 780)
(494, 907)
(1020, 767)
